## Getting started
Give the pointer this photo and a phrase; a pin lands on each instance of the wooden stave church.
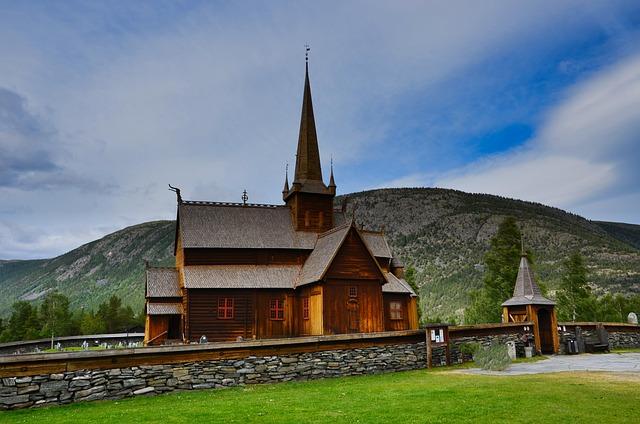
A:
(247, 271)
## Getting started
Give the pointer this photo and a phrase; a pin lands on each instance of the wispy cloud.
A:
(586, 151)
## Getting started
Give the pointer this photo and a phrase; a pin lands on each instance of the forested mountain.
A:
(442, 233)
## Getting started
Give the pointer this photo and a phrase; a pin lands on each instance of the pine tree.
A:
(501, 269)
(575, 300)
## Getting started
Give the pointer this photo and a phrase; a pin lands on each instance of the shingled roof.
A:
(155, 308)
(377, 243)
(526, 291)
(325, 250)
(216, 225)
(396, 285)
(162, 282)
(241, 276)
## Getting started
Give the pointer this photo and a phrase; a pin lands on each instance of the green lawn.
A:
(414, 396)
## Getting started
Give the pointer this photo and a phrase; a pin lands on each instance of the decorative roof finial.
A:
(245, 197)
(332, 182)
(176, 190)
(307, 49)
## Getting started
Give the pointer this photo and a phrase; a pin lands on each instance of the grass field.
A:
(413, 396)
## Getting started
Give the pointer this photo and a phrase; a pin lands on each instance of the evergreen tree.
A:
(575, 300)
(115, 318)
(23, 323)
(501, 269)
(90, 323)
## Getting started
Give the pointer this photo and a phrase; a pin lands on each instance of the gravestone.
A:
(632, 318)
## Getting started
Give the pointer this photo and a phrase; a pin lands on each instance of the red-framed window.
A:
(353, 291)
(225, 308)
(305, 308)
(276, 310)
(395, 310)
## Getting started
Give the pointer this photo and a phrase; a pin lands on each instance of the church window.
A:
(225, 308)
(395, 310)
(353, 291)
(305, 308)
(276, 310)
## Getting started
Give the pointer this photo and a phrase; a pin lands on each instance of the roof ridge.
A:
(334, 229)
(232, 204)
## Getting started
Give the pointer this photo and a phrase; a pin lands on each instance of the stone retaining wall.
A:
(619, 337)
(457, 357)
(117, 383)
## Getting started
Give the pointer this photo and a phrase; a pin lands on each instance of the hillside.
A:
(443, 233)
(91, 273)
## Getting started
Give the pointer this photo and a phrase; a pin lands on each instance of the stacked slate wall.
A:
(117, 383)
(620, 336)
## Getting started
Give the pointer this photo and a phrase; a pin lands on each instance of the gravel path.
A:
(611, 362)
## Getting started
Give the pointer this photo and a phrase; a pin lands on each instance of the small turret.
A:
(285, 190)
(332, 182)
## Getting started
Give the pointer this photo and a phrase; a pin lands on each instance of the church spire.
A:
(285, 189)
(332, 182)
(308, 156)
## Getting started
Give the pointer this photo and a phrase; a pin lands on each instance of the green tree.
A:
(500, 272)
(90, 323)
(575, 300)
(114, 316)
(23, 323)
(55, 315)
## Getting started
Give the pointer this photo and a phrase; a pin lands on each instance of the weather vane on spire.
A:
(307, 49)
(245, 197)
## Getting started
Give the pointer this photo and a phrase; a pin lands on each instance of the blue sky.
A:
(103, 104)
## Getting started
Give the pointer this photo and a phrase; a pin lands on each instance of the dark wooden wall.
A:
(251, 318)
(353, 261)
(203, 315)
(266, 327)
(396, 324)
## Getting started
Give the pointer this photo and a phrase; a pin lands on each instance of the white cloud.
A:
(586, 151)
(208, 99)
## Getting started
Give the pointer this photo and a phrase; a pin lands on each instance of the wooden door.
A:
(545, 330)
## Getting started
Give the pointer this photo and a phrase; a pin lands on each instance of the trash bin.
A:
(528, 351)
(572, 347)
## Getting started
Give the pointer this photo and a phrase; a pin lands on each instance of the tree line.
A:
(53, 317)
(574, 297)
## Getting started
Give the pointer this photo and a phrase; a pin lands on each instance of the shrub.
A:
(493, 358)
(469, 348)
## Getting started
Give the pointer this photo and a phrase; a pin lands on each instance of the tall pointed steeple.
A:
(310, 200)
(308, 155)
